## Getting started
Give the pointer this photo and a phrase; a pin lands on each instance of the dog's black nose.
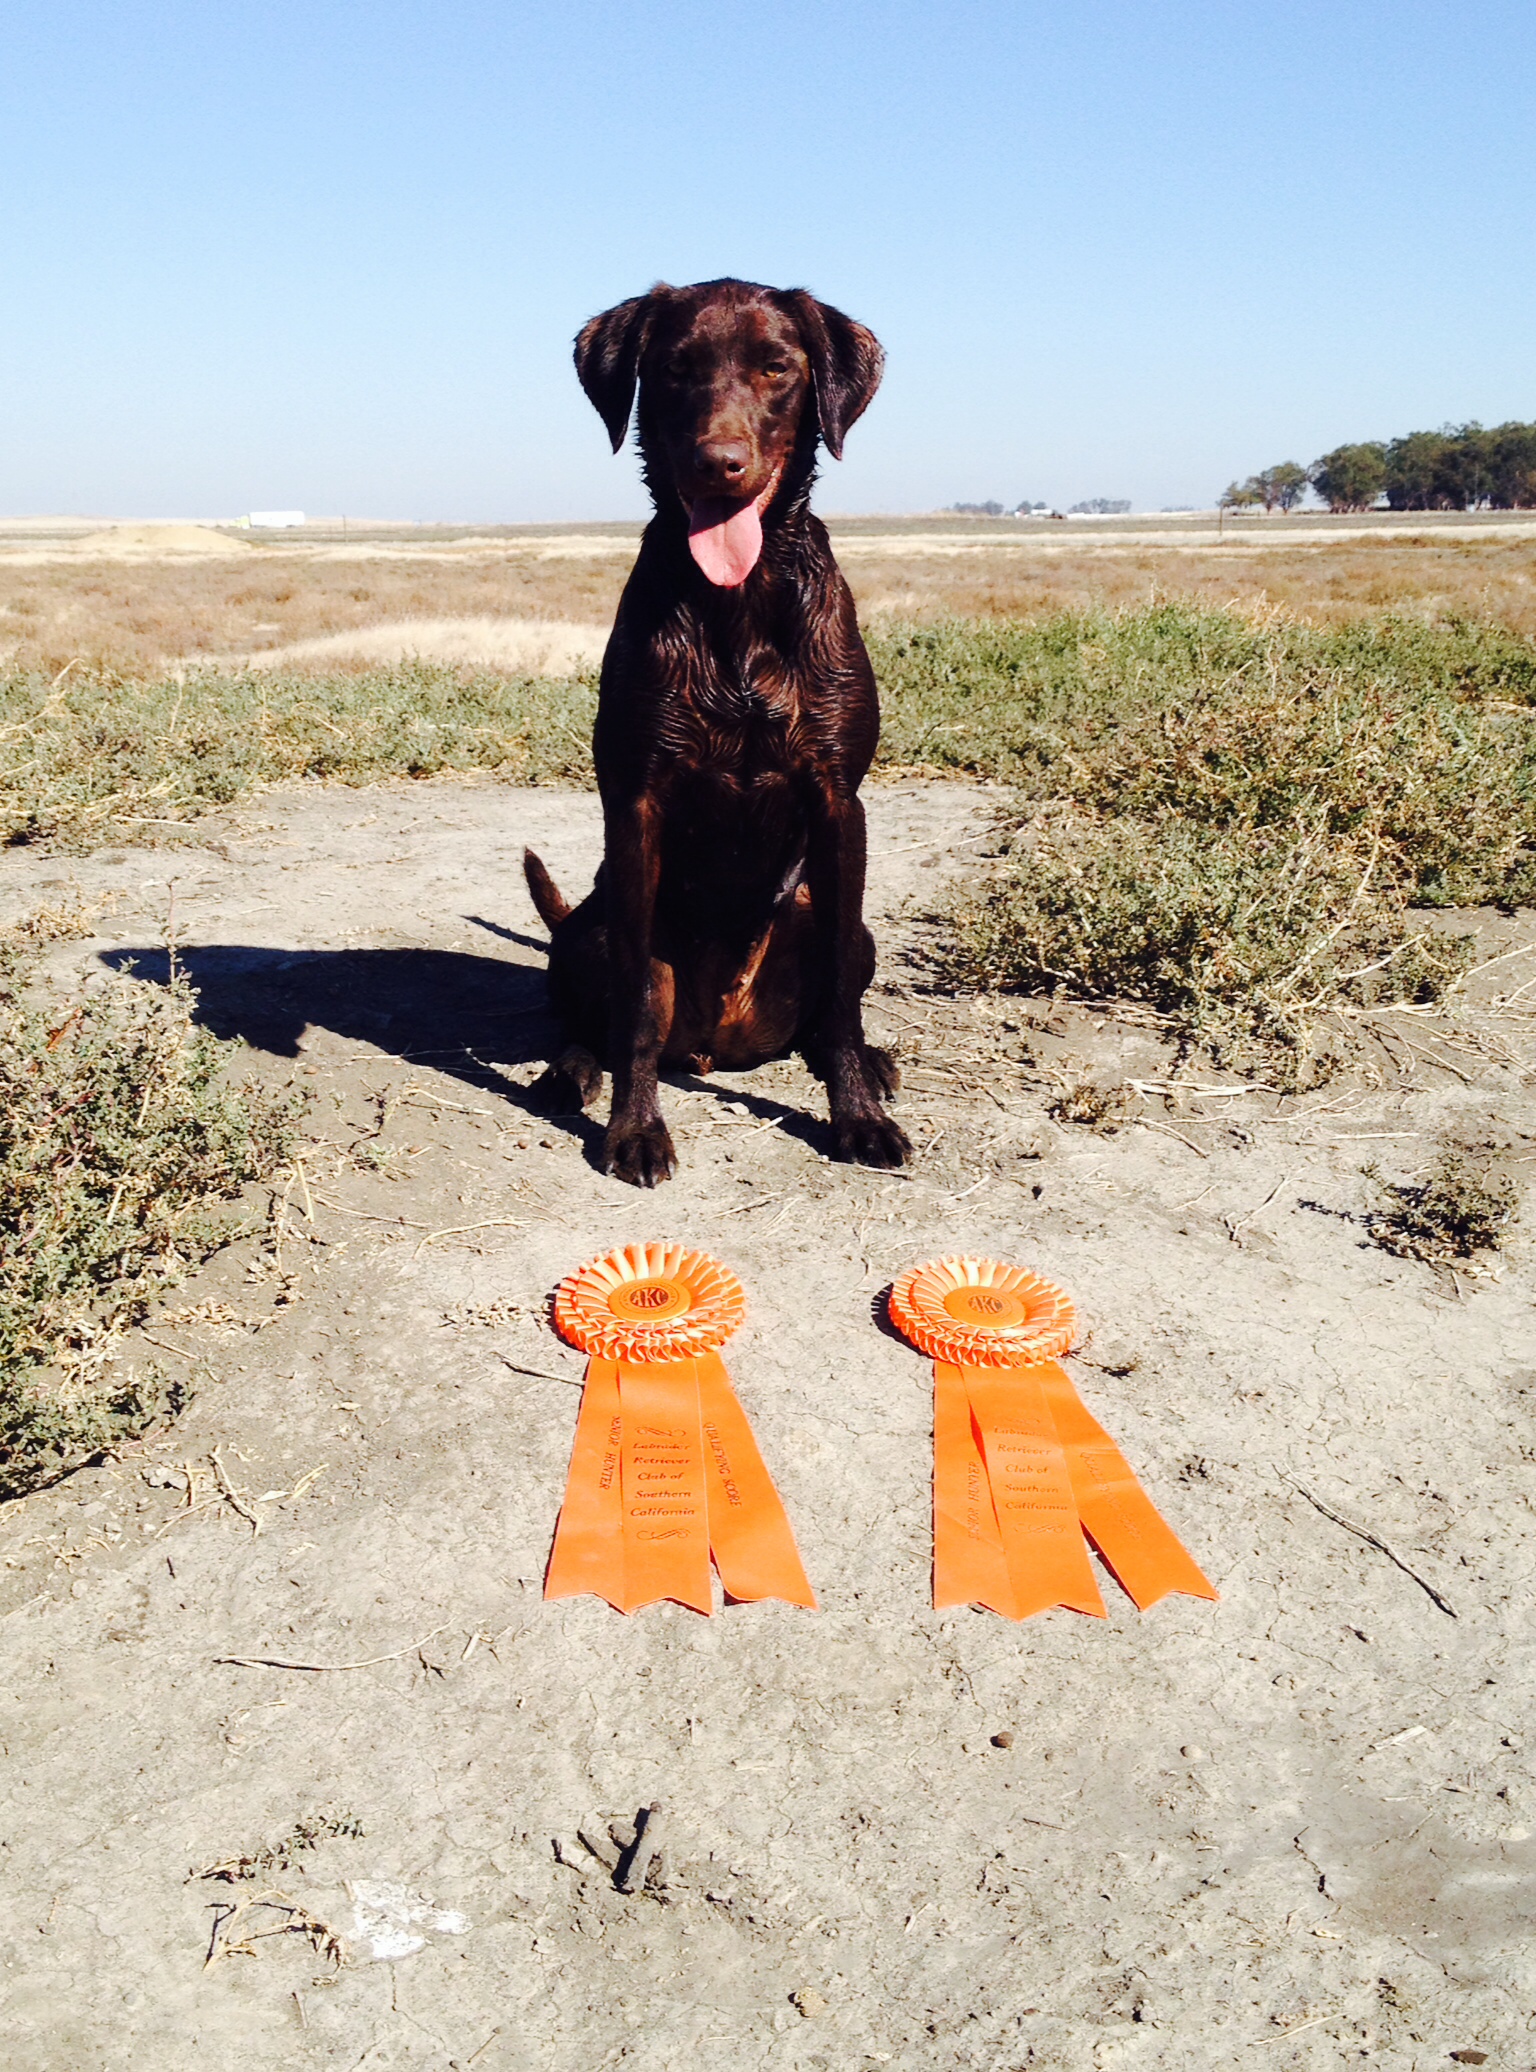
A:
(722, 461)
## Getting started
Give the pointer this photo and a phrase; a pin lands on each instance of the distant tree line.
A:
(1459, 468)
(1097, 506)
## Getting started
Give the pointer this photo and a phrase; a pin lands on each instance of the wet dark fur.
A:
(734, 727)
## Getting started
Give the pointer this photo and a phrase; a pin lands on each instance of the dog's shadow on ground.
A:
(472, 1017)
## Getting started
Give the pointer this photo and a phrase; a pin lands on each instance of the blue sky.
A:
(332, 254)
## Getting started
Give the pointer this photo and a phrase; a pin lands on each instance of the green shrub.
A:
(1227, 816)
(1230, 820)
(1457, 1211)
(103, 758)
(122, 1145)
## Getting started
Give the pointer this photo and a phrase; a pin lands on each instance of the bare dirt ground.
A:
(1292, 1829)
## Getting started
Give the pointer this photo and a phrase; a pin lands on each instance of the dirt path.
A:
(1306, 1809)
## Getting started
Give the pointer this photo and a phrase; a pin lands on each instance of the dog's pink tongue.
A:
(725, 538)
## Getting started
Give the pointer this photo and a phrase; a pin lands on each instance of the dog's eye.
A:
(776, 372)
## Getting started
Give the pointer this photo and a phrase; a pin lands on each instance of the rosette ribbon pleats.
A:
(1021, 1469)
(665, 1472)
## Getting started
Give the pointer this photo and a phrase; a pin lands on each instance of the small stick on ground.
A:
(1363, 1533)
(458, 1229)
(165, 1344)
(326, 1668)
(650, 1834)
(573, 1381)
(1294, 2030)
(232, 1495)
(1167, 1130)
(1235, 1229)
(593, 1839)
(297, 1920)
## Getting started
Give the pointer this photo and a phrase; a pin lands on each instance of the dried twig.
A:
(1434, 1057)
(299, 1921)
(1294, 2030)
(166, 1346)
(1169, 1087)
(593, 1839)
(458, 1229)
(1362, 1532)
(572, 1381)
(1235, 1228)
(1167, 1130)
(327, 1668)
(367, 1215)
(232, 1495)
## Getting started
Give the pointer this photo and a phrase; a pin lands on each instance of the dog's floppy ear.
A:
(846, 364)
(608, 350)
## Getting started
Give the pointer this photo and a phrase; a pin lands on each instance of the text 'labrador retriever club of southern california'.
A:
(735, 722)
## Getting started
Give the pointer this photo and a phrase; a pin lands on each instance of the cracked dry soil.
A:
(1299, 1819)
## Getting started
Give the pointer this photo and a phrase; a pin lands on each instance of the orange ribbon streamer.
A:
(1021, 1470)
(664, 1469)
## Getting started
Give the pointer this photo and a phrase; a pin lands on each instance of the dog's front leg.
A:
(638, 1147)
(862, 1131)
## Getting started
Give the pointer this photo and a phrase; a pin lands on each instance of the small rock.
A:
(1470, 2057)
(809, 2002)
(1004, 1739)
(1191, 1753)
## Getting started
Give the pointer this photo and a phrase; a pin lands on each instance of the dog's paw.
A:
(872, 1140)
(642, 1155)
(882, 1071)
(571, 1083)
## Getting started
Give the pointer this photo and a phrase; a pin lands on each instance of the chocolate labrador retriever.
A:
(735, 722)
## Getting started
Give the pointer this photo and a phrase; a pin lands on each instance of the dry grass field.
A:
(68, 595)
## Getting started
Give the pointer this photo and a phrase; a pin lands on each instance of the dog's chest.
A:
(740, 724)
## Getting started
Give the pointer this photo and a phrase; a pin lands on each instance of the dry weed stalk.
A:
(231, 1917)
(305, 1835)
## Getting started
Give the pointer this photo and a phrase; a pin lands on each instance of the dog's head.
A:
(735, 380)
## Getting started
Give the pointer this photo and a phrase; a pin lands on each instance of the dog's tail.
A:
(544, 892)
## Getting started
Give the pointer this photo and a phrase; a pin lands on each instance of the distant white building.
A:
(275, 521)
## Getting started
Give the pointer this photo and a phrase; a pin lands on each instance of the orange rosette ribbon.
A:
(664, 1469)
(1021, 1470)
